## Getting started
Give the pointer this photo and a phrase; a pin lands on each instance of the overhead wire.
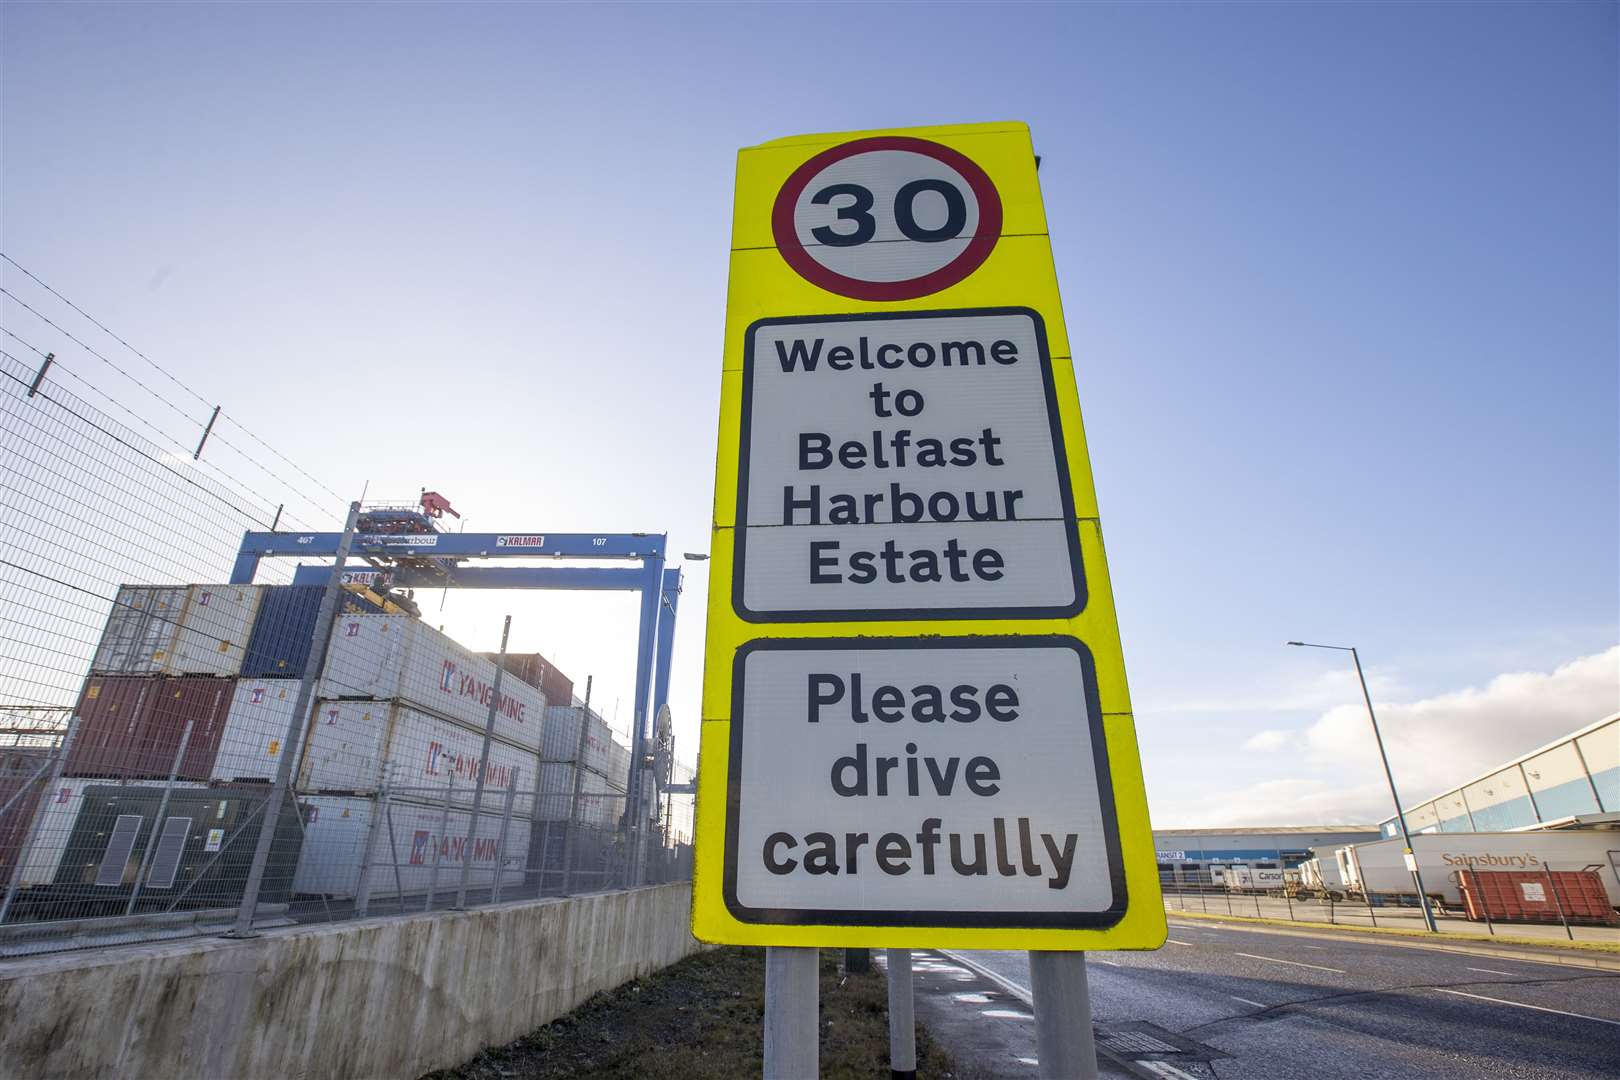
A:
(166, 374)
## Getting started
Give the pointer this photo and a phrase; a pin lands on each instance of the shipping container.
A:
(604, 754)
(177, 630)
(1381, 868)
(351, 743)
(538, 672)
(1554, 896)
(337, 829)
(600, 804)
(384, 657)
(284, 632)
(53, 824)
(255, 733)
(21, 783)
(91, 837)
(131, 726)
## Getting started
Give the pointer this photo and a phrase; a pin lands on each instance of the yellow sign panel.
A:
(916, 729)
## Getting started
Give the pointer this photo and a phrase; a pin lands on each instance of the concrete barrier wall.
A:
(392, 997)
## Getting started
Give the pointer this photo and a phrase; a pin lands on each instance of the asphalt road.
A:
(1280, 1007)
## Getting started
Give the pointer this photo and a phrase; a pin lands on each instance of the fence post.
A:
(27, 848)
(292, 743)
(362, 891)
(443, 842)
(500, 846)
(483, 766)
(1552, 885)
(570, 836)
(393, 851)
(157, 822)
(1485, 908)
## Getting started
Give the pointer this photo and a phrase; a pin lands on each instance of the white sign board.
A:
(932, 780)
(903, 466)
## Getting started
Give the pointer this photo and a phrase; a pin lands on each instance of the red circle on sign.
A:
(969, 260)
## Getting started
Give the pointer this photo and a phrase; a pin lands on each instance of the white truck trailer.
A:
(1442, 858)
(1322, 878)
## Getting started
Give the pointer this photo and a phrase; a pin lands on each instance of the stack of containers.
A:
(400, 702)
(166, 665)
(602, 763)
(168, 658)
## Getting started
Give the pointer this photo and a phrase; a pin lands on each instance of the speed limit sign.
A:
(916, 728)
(887, 218)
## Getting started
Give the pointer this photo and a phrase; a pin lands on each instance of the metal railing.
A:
(1546, 896)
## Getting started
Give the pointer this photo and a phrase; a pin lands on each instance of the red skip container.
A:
(1537, 896)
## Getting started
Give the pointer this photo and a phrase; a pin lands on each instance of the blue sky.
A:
(1341, 281)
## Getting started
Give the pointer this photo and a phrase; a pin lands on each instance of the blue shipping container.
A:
(285, 630)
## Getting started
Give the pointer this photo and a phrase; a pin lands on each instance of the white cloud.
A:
(1271, 739)
(1434, 743)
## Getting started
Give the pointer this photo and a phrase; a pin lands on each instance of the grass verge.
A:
(701, 1018)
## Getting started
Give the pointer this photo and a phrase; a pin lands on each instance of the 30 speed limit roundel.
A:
(887, 218)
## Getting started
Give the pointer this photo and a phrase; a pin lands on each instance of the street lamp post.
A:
(1400, 816)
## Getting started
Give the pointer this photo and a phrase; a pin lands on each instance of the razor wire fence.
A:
(179, 755)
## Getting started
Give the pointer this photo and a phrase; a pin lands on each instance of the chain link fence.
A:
(1572, 899)
(181, 756)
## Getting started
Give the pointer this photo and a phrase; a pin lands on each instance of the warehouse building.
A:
(1573, 782)
(1190, 855)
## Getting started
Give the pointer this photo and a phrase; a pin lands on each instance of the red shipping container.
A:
(19, 767)
(1537, 896)
(539, 673)
(130, 726)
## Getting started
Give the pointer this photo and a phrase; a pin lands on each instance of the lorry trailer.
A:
(1443, 858)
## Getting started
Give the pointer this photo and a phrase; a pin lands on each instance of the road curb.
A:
(1560, 955)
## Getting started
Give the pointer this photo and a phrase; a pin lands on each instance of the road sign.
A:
(916, 729)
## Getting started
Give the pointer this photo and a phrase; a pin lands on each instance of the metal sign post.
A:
(1065, 1043)
(902, 1016)
(792, 1004)
(914, 692)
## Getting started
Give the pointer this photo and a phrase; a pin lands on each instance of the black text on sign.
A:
(903, 465)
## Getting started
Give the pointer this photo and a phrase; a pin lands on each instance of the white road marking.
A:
(1522, 1005)
(1318, 948)
(1295, 963)
(1491, 971)
(1165, 1069)
(972, 999)
(1019, 992)
(1246, 1001)
(1173, 941)
(1110, 963)
(1005, 1014)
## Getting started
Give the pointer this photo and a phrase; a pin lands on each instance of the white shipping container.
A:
(178, 630)
(1443, 857)
(54, 821)
(251, 744)
(600, 803)
(351, 743)
(404, 847)
(605, 755)
(398, 656)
